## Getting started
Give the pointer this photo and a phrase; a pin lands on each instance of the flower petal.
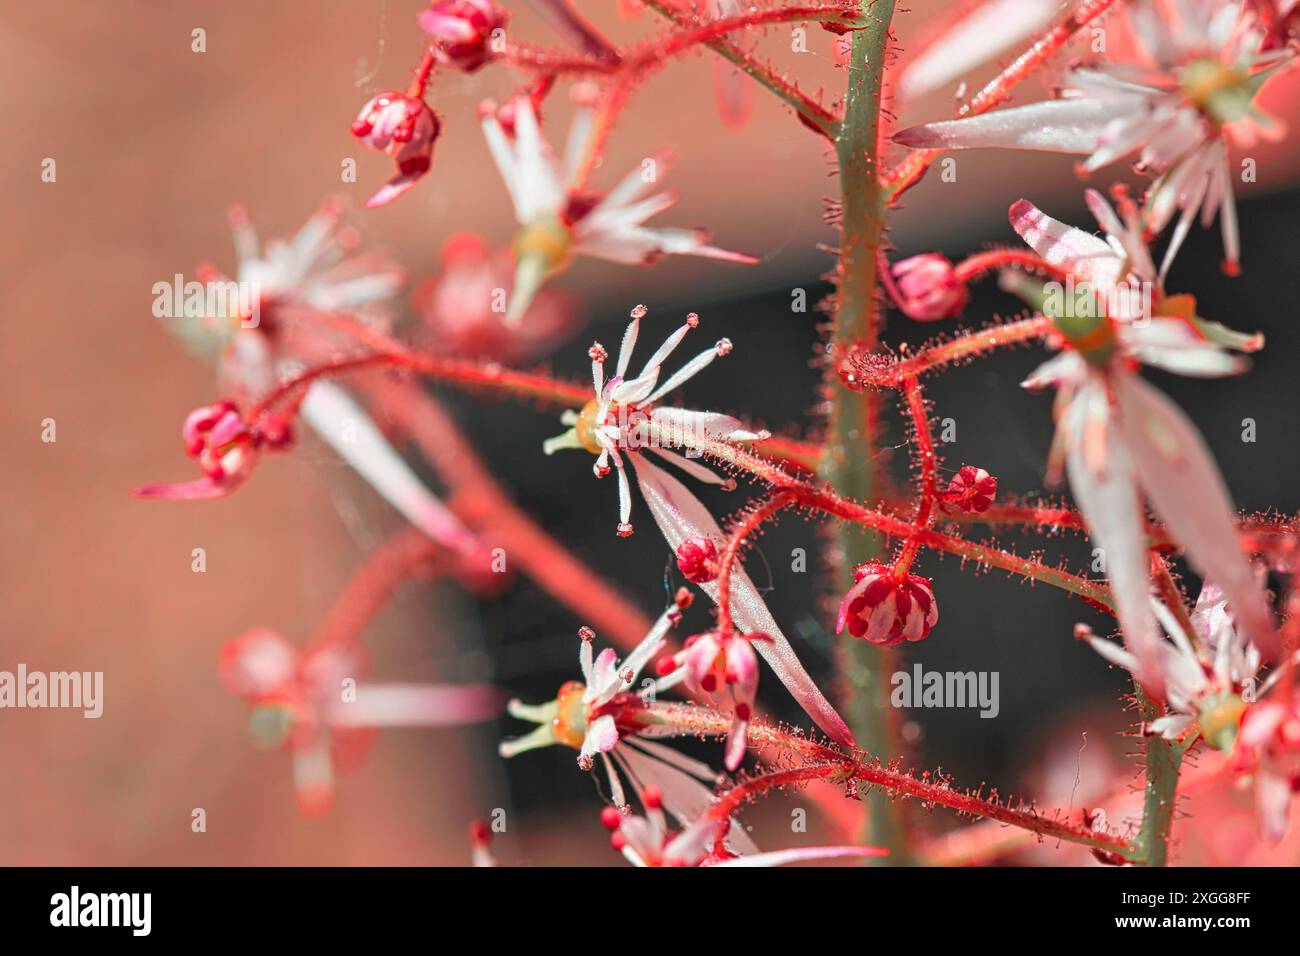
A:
(1183, 483)
(1101, 478)
(1059, 126)
(680, 515)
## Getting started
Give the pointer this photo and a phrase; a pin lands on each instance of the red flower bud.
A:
(927, 288)
(697, 559)
(461, 31)
(883, 610)
(404, 127)
(971, 490)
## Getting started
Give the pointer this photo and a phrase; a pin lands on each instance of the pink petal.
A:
(199, 488)
(1272, 805)
(797, 855)
(970, 39)
(602, 735)
(1071, 249)
(348, 429)
(685, 798)
(732, 93)
(418, 705)
(396, 186)
(1183, 483)
(1059, 126)
(1101, 478)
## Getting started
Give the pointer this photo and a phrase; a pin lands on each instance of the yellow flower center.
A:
(570, 725)
(548, 241)
(587, 425)
(1220, 717)
(1221, 91)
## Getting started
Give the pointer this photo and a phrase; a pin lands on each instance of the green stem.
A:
(1163, 759)
(849, 460)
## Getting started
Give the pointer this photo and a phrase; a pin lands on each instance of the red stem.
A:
(730, 554)
(929, 466)
(422, 71)
(833, 765)
(882, 371)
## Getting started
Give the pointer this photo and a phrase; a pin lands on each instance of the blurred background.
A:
(153, 142)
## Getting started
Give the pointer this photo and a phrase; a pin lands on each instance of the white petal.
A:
(1062, 126)
(1186, 490)
(679, 516)
(346, 427)
(1102, 481)
(1066, 247)
(416, 705)
(988, 31)
(602, 736)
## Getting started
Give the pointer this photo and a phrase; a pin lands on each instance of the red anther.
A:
(653, 798)
(597, 352)
(610, 818)
(723, 347)
(586, 633)
(480, 834)
(742, 711)
(665, 666)
(617, 840)
(683, 599)
(624, 529)
(693, 320)
(1082, 632)
(697, 559)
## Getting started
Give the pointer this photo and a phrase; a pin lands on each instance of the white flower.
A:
(1118, 435)
(1205, 674)
(319, 270)
(620, 421)
(557, 223)
(584, 715)
(1203, 69)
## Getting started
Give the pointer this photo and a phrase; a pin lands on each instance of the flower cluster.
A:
(1143, 483)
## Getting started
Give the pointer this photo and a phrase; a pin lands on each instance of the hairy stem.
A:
(1163, 759)
(848, 463)
(832, 765)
